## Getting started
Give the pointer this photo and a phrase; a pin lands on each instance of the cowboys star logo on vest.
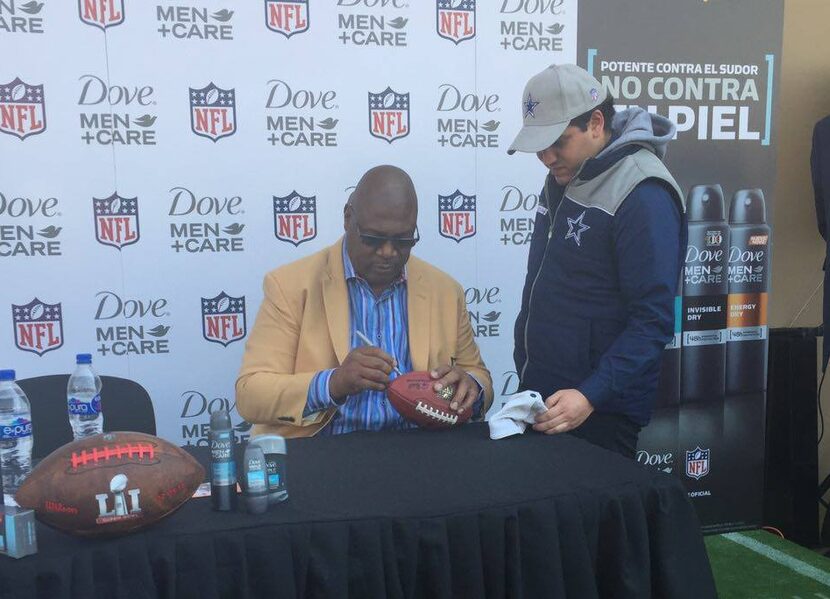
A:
(116, 220)
(697, 463)
(456, 19)
(223, 318)
(457, 216)
(389, 114)
(295, 218)
(22, 109)
(38, 327)
(101, 13)
(286, 16)
(213, 112)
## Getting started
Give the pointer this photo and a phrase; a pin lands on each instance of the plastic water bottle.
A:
(83, 399)
(15, 433)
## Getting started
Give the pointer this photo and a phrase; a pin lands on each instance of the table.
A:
(407, 514)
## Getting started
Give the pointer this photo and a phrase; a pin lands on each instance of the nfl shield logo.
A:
(286, 16)
(38, 327)
(456, 19)
(22, 109)
(389, 115)
(295, 218)
(213, 112)
(457, 216)
(116, 220)
(697, 463)
(223, 318)
(101, 13)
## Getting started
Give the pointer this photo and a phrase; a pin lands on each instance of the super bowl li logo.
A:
(116, 220)
(286, 16)
(223, 318)
(213, 112)
(38, 326)
(22, 109)
(455, 20)
(101, 13)
(295, 218)
(457, 216)
(389, 115)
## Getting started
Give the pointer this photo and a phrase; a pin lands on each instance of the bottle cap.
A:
(705, 203)
(747, 208)
(270, 443)
(7, 375)
(220, 420)
(83, 359)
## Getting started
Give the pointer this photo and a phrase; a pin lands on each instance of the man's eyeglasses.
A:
(400, 243)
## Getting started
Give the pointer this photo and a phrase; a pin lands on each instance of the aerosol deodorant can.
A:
(747, 339)
(703, 356)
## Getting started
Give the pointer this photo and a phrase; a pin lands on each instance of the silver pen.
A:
(366, 340)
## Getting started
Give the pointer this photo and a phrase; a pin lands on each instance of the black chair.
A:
(126, 404)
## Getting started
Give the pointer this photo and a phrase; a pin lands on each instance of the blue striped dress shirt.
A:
(384, 320)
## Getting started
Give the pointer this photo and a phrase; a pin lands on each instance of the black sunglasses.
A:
(400, 243)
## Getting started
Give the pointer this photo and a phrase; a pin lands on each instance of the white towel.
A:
(516, 414)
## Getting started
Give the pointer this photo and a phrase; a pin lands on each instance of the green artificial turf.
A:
(781, 569)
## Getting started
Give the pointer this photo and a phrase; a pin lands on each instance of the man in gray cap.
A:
(604, 261)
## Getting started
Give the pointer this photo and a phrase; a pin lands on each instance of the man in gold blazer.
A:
(309, 366)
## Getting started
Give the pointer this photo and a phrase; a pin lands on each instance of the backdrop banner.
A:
(158, 158)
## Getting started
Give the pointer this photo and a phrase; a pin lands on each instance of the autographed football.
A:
(414, 398)
(110, 484)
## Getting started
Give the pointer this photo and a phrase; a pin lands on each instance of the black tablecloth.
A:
(413, 514)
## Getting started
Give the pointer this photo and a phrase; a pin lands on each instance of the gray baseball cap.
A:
(550, 100)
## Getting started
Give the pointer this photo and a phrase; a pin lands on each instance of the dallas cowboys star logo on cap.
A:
(530, 106)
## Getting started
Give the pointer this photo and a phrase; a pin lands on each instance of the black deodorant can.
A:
(703, 355)
(747, 339)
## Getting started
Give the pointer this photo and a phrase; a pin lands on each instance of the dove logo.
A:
(140, 333)
(372, 29)
(202, 230)
(455, 20)
(293, 116)
(457, 216)
(517, 217)
(111, 124)
(521, 34)
(484, 317)
(458, 130)
(295, 218)
(197, 405)
(195, 23)
(116, 221)
(101, 13)
(23, 235)
(213, 112)
(286, 16)
(38, 326)
(223, 319)
(22, 109)
(18, 16)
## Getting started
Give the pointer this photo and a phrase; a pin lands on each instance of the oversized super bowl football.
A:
(413, 396)
(110, 484)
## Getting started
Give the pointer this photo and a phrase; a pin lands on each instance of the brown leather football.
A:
(110, 484)
(414, 398)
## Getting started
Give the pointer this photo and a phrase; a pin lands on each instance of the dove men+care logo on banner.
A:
(198, 23)
(29, 226)
(205, 223)
(484, 310)
(466, 119)
(517, 215)
(531, 25)
(195, 417)
(131, 325)
(373, 23)
(116, 113)
(22, 16)
(300, 117)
